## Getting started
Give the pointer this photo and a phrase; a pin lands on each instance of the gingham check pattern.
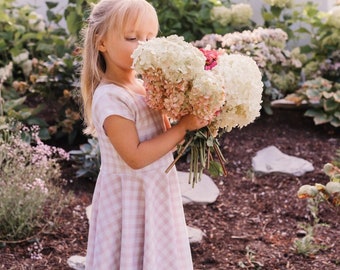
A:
(137, 219)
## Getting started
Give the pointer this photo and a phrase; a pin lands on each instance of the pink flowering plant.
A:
(30, 191)
(223, 89)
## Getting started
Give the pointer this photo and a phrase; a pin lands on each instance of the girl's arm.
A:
(124, 138)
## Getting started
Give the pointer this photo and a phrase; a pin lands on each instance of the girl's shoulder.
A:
(111, 91)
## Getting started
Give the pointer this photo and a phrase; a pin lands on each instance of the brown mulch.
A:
(252, 225)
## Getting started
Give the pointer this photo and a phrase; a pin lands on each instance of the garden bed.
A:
(252, 225)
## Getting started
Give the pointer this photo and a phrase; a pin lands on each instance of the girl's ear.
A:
(101, 45)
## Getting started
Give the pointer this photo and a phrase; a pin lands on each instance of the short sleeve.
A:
(112, 100)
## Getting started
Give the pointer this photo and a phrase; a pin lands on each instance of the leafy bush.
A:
(87, 159)
(323, 30)
(193, 19)
(44, 70)
(30, 198)
(323, 97)
(277, 14)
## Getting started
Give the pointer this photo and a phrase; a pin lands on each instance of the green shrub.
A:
(323, 97)
(87, 159)
(194, 19)
(44, 73)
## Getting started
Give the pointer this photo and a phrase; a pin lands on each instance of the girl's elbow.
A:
(136, 164)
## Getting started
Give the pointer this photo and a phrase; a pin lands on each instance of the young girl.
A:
(137, 219)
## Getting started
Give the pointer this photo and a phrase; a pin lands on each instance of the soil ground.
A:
(252, 225)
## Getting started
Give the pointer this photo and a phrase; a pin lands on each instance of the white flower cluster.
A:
(180, 79)
(265, 45)
(272, 37)
(177, 59)
(241, 13)
(229, 94)
(221, 14)
(5, 73)
(36, 22)
(334, 17)
(238, 14)
(175, 78)
(243, 86)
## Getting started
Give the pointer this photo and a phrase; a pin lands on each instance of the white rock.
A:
(77, 262)
(195, 235)
(271, 159)
(205, 191)
(88, 211)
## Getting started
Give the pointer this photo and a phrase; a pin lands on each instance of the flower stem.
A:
(180, 154)
(221, 159)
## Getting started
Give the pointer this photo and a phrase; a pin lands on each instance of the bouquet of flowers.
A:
(181, 79)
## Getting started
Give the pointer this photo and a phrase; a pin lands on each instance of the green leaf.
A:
(51, 5)
(25, 113)
(276, 11)
(303, 30)
(33, 120)
(44, 134)
(313, 94)
(333, 187)
(215, 168)
(74, 22)
(268, 16)
(307, 191)
(319, 117)
(306, 49)
(337, 115)
(335, 122)
(12, 104)
(330, 105)
(337, 96)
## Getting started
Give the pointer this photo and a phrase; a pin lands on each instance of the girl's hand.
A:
(191, 122)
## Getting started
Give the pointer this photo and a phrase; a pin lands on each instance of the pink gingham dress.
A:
(137, 220)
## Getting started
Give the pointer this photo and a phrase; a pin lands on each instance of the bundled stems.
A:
(200, 154)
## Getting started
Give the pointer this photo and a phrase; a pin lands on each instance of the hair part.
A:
(106, 15)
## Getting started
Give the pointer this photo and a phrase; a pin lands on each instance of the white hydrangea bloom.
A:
(36, 22)
(207, 94)
(20, 58)
(241, 13)
(221, 14)
(6, 72)
(178, 59)
(334, 17)
(243, 86)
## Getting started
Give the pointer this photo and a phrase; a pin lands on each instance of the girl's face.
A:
(118, 47)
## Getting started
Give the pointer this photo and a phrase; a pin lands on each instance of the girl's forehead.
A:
(142, 23)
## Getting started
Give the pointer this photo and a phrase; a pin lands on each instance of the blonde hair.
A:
(105, 15)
